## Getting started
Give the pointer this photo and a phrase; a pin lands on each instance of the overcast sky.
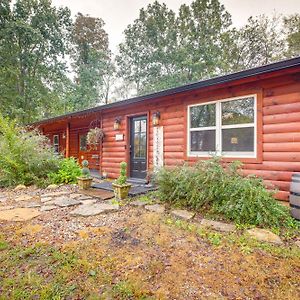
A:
(117, 14)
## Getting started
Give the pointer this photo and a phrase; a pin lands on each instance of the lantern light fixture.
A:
(117, 123)
(156, 118)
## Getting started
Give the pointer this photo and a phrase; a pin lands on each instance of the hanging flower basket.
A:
(94, 137)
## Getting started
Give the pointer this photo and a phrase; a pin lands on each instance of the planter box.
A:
(84, 183)
(121, 191)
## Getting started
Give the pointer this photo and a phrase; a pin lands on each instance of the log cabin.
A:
(252, 116)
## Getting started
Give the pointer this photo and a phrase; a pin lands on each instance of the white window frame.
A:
(56, 144)
(218, 127)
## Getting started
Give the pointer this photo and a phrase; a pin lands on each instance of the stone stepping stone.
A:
(55, 194)
(48, 207)
(19, 214)
(64, 202)
(87, 210)
(24, 198)
(75, 195)
(264, 235)
(138, 203)
(46, 199)
(183, 214)
(219, 226)
(84, 197)
(157, 208)
(89, 201)
(6, 207)
(32, 205)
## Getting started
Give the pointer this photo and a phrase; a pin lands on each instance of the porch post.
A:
(68, 140)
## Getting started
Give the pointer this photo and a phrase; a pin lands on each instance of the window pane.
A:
(143, 126)
(83, 144)
(238, 111)
(204, 140)
(203, 115)
(238, 139)
(55, 140)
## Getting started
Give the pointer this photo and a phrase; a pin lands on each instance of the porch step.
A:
(136, 189)
(136, 181)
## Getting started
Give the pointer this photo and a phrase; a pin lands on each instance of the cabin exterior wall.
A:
(278, 129)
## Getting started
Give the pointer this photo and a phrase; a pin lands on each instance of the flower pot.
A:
(121, 191)
(84, 183)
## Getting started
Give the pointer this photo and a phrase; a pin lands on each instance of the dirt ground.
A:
(135, 254)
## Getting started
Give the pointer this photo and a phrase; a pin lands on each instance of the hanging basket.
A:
(94, 137)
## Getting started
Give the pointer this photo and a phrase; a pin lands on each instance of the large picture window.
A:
(225, 127)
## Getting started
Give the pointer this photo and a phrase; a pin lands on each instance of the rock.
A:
(19, 214)
(24, 198)
(138, 203)
(219, 226)
(55, 194)
(75, 195)
(156, 208)
(86, 210)
(20, 187)
(6, 207)
(48, 207)
(90, 201)
(64, 202)
(32, 205)
(183, 214)
(3, 198)
(84, 197)
(46, 199)
(52, 187)
(297, 243)
(264, 235)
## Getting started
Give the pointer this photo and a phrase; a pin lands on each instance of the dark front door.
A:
(138, 147)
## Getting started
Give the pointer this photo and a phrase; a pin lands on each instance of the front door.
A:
(138, 147)
(91, 154)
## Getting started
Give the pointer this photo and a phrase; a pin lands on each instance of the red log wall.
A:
(278, 128)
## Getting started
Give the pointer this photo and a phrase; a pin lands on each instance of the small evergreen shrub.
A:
(85, 171)
(222, 189)
(26, 156)
(122, 178)
(67, 173)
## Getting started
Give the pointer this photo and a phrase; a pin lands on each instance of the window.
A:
(226, 127)
(82, 142)
(56, 143)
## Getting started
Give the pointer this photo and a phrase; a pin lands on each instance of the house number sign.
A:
(158, 147)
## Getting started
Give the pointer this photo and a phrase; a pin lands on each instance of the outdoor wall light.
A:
(156, 118)
(117, 123)
(64, 135)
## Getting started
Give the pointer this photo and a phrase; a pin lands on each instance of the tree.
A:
(161, 50)
(91, 63)
(33, 37)
(146, 57)
(259, 42)
(292, 28)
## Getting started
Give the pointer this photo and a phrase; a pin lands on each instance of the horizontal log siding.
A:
(280, 149)
(281, 139)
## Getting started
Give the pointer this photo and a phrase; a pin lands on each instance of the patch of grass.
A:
(3, 245)
(238, 239)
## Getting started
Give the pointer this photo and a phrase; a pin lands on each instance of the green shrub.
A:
(68, 172)
(85, 171)
(123, 170)
(223, 190)
(25, 155)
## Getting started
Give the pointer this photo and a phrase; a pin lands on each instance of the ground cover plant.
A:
(25, 155)
(211, 186)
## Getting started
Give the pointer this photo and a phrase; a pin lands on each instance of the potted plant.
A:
(94, 137)
(120, 186)
(85, 180)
